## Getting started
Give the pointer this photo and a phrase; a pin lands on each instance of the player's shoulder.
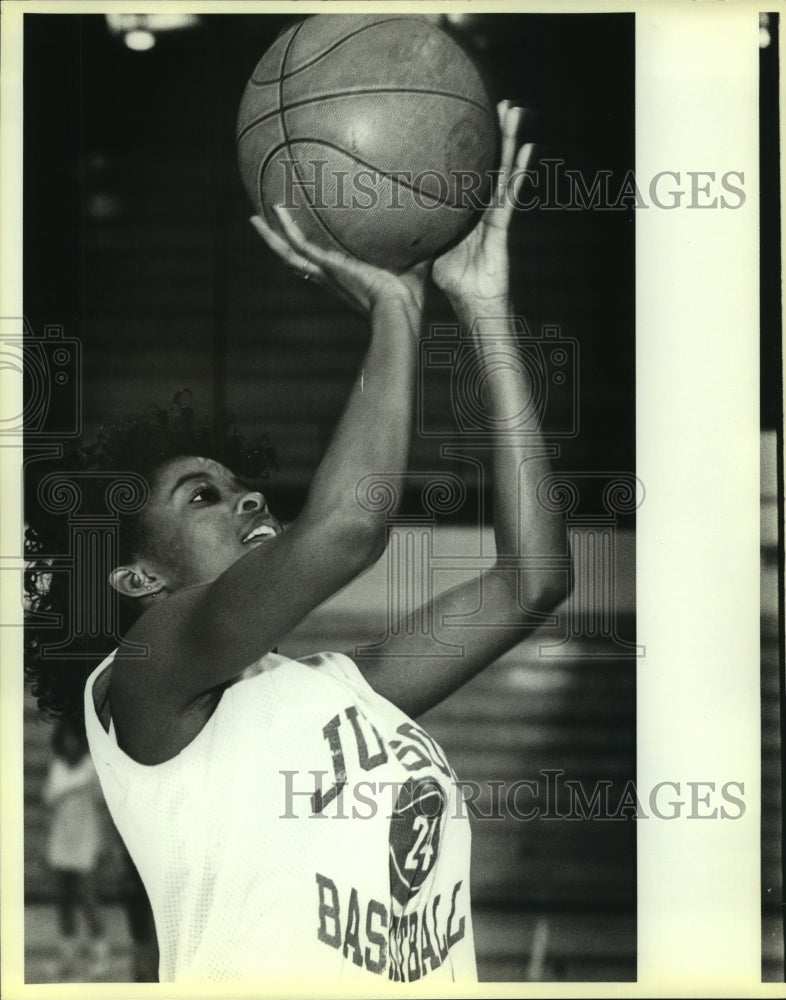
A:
(318, 673)
(331, 662)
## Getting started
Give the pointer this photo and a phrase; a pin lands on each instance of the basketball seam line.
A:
(354, 93)
(281, 110)
(378, 170)
(315, 59)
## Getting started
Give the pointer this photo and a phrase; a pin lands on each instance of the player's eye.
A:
(204, 494)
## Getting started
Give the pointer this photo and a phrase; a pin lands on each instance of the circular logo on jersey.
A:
(415, 829)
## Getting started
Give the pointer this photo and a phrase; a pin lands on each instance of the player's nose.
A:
(251, 502)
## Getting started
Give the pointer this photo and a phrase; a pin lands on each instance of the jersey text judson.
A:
(311, 828)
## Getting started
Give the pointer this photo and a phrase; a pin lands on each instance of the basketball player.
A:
(289, 817)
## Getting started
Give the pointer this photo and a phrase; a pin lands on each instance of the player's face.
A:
(201, 519)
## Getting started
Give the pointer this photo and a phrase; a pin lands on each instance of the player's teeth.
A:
(263, 532)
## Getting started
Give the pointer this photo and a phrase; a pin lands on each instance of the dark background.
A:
(136, 236)
(773, 651)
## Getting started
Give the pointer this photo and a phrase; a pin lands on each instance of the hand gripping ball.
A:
(375, 131)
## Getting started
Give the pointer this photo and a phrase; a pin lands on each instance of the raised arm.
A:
(414, 673)
(201, 636)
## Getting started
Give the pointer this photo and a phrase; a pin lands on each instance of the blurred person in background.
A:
(74, 846)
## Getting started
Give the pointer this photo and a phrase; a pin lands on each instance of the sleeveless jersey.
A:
(310, 829)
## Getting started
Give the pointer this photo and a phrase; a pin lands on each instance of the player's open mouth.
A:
(261, 533)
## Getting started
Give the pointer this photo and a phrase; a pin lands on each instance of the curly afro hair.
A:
(138, 445)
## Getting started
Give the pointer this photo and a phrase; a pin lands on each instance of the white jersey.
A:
(310, 829)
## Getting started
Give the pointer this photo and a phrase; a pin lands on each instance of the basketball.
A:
(376, 133)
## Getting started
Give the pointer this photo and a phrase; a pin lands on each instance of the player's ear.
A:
(133, 581)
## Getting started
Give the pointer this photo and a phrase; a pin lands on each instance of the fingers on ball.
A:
(523, 157)
(311, 252)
